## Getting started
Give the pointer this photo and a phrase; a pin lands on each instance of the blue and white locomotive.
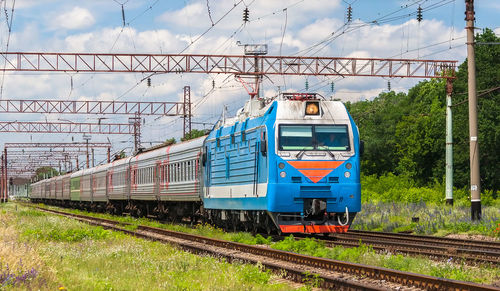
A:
(291, 165)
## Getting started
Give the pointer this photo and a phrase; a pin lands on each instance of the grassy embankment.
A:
(389, 203)
(451, 269)
(47, 252)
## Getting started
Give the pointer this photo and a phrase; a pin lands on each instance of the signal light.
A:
(312, 108)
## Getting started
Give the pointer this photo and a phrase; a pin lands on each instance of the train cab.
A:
(315, 186)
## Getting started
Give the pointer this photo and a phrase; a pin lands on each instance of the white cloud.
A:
(76, 18)
(307, 23)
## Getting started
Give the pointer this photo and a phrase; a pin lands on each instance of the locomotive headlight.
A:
(312, 108)
(281, 166)
(282, 174)
(347, 174)
(348, 166)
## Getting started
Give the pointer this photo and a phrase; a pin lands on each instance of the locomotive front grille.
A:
(315, 191)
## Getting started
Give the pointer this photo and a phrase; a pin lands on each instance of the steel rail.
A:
(414, 248)
(362, 271)
(429, 240)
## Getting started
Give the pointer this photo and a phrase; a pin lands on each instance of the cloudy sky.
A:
(381, 28)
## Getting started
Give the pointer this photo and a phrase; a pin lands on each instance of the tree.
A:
(377, 122)
(420, 135)
(405, 133)
(170, 141)
(487, 79)
(45, 172)
(194, 134)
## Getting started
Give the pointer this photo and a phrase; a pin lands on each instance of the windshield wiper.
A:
(300, 154)
(328, 150)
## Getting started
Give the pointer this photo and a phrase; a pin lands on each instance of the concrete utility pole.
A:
(1, 180)
(449, 144)
(87, 138)
(475, 183)
(6, 182)
(187, 111)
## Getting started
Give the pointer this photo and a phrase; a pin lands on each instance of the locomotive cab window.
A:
(313, 137)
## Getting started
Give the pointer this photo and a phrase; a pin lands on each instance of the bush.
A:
(391, 188)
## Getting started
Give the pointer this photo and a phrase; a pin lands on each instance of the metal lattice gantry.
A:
(91, 107)
(54, 152)
(66, 127)
(227, 64)
(75, 146)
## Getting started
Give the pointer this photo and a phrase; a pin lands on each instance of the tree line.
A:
(404, 134)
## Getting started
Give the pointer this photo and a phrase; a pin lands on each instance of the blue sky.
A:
(153, 26)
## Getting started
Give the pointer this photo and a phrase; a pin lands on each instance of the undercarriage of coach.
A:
(313, 220)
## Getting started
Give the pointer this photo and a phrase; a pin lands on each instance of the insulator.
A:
(332, 86)
(123, 15)
(149, 82)
(349, 13)
(388, 85)
(213, 84)
(307, 85)
(419, 14)
(246, 14)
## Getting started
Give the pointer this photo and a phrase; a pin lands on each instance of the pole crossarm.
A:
(226, 64)
(91, 107)
(65, 127)
(73, 146)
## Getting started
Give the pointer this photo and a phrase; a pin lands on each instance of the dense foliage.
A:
(195, 133)
(405, 133)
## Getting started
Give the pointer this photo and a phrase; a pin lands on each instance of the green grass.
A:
(434, 219)
(78, 256)
(364, 254)
(381, 216)
(199, 229)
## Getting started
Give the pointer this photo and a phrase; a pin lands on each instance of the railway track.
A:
(469, 251)
(332, 274)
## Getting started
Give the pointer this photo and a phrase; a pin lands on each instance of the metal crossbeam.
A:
(66, 127)
(73, 146)
(29, 158)
(227, 64)
(92, 107)
(45, 152)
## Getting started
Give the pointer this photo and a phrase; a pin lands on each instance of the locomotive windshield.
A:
(313, 137)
